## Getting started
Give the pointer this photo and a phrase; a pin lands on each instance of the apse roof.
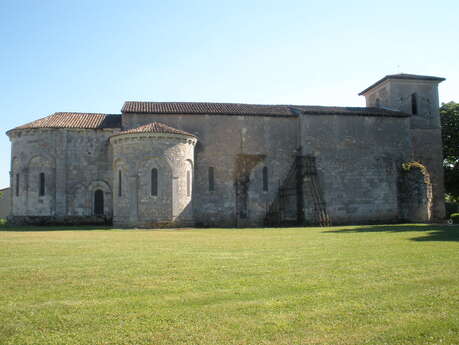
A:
(154, 127)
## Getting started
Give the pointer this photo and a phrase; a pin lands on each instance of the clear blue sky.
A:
(91, 56)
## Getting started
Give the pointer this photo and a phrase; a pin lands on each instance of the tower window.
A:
(211, 179)
(414, 104)
(154, 182)
(120, 183)
(17, 184)
(265, 179)
(188, 183)
(41, 191)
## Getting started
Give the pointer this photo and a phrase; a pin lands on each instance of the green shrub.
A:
(2, 222)
(451, 207)
(455, 218)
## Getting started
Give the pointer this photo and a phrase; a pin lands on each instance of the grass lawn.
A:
(395, 284)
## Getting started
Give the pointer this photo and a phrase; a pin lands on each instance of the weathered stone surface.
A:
(415, 193)
(356, 157)
(75, 163)
(425, 133)
(5, 202)
(134, 157)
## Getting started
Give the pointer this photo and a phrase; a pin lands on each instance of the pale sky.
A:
(91, 56)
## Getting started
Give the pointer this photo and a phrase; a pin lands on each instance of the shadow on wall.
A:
(431, 232)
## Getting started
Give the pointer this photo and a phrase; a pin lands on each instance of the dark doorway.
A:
(99, 203)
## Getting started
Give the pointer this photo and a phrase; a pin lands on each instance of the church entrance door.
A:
(99, 203)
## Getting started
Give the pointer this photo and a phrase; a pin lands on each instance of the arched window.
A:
(41, 190)
(211, 179)
(154, 182)
(99, 203)
(377, 103)
(120, 183)
(17, 184)
(265, 179)
(188, 183)
(414, 104)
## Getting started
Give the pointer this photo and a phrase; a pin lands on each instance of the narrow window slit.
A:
(265, 179)
(17, 184)
(211, 179)
(154, 182)
(42, 184)
(414, 104)
(120, 185)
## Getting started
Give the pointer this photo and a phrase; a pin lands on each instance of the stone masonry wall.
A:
(135, 156)
(75, 162)
(5, 202)
(358, 160)
(425, 127)
(221, 140)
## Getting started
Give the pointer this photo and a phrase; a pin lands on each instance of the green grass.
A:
(379, 285)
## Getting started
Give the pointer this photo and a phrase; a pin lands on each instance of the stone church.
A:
(168, 164)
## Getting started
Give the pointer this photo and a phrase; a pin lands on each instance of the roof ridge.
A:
(81, 113)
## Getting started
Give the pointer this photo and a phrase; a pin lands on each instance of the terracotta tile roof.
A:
(403, 76)
(205, 108)
(154, 127)
(360, 111)
(249, 109)
(75, 120)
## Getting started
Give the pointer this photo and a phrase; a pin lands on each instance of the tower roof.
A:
(403, 76)
(154, 127)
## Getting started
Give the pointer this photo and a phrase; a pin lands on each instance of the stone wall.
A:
(425, 127)
(221, 141)
(5, 202)
(75, 164)
(427, 149)
(415, 193)
(358, 160)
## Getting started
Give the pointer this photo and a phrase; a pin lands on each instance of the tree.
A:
(449, 115)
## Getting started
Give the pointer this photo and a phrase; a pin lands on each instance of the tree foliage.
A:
(449, 114)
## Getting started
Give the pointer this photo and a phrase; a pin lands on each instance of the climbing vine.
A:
(410, 165)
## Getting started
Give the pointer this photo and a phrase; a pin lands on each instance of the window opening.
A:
(42, 184)
(211, 179)
(154, 182)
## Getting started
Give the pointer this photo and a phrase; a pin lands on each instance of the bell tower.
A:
(413, 94)
(416, 95)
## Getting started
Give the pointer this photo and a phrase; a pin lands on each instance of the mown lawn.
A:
(395, 284)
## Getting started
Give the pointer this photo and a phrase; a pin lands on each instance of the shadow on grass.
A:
(431, 232)
(53, 228)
